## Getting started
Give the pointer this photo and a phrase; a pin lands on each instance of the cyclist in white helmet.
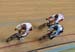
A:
(24, 28)
(56, 18)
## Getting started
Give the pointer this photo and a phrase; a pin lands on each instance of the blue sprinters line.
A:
(61, 48)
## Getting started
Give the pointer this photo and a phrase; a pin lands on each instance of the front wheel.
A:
(12, 37)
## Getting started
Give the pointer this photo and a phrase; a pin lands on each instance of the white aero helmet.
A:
(18, 27)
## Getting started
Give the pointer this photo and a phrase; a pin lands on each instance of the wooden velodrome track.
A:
(13, 12)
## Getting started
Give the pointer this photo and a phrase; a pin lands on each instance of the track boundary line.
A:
(7, 46)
